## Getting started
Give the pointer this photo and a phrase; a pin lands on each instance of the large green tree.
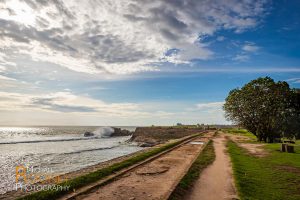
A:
(266, 108)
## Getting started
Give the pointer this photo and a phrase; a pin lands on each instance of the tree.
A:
(266, 108)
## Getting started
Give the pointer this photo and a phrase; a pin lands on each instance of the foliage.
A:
(266, 108)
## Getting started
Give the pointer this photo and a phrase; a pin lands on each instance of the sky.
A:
(135, 63)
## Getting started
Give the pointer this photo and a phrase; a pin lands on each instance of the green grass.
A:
(276, 176)
(97, 175)
(206, 157)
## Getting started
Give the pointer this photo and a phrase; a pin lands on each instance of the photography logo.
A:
(30, 179)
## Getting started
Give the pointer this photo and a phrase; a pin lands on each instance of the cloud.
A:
(220, 38)
(250, 48)
(7, 82)
(2, 68)
(5, 78)
(293, 80)
(62, 102)
(119, 37)
(210, 106)
(67, 102)
(241, 57)
(47, 108)
(247, 49)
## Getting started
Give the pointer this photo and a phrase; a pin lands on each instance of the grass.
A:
(205, 158)
(276, 176)
(97, 175)
(240, 131)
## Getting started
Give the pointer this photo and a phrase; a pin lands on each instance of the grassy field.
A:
(99, 174)
(205, 158)
(276, 176)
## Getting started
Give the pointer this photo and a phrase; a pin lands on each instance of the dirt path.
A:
(154, 180)
(216, 181)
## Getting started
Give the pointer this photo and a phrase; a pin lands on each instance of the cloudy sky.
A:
(139, 62)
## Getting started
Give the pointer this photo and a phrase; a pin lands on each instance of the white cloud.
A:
(210, 105)
(220, 38)
(2, 68)
(119, 37)
(67, 102)
(62, 102)
(250, 47)
(241, 57)
(7, 82)
(5, 78)
(293, 80)
(47, 108)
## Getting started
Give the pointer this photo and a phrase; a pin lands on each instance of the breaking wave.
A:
(102, 132)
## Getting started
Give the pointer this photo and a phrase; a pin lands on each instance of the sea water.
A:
(59, 149)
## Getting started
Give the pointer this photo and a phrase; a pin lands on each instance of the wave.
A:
(88, 150)
(104, 132)
(50, 140)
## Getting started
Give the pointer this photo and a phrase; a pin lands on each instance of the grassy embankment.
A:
(276, 176)
(84, 180)
(205, 158)
(241, 132)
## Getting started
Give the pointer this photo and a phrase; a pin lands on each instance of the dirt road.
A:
(154, 180)
(216, 181)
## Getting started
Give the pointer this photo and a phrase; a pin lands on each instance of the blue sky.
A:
(139, 63)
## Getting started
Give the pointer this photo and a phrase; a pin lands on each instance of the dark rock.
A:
(88, 134)
(121, 132)
(147, 144)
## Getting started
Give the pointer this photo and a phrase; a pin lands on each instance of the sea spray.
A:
(104, 132)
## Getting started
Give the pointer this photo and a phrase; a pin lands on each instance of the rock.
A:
(120, 132)
(88, 134)
(290, 149)
(147, 144)
(132, 198)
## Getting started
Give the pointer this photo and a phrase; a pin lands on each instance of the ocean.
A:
(59, 149)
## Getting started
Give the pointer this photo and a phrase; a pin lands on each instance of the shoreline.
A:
(10, 195)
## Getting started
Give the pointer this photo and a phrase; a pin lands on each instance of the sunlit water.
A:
(61, 149)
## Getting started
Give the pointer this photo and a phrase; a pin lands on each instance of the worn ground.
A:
(216, 182)
(253, 148)
(154, 180)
